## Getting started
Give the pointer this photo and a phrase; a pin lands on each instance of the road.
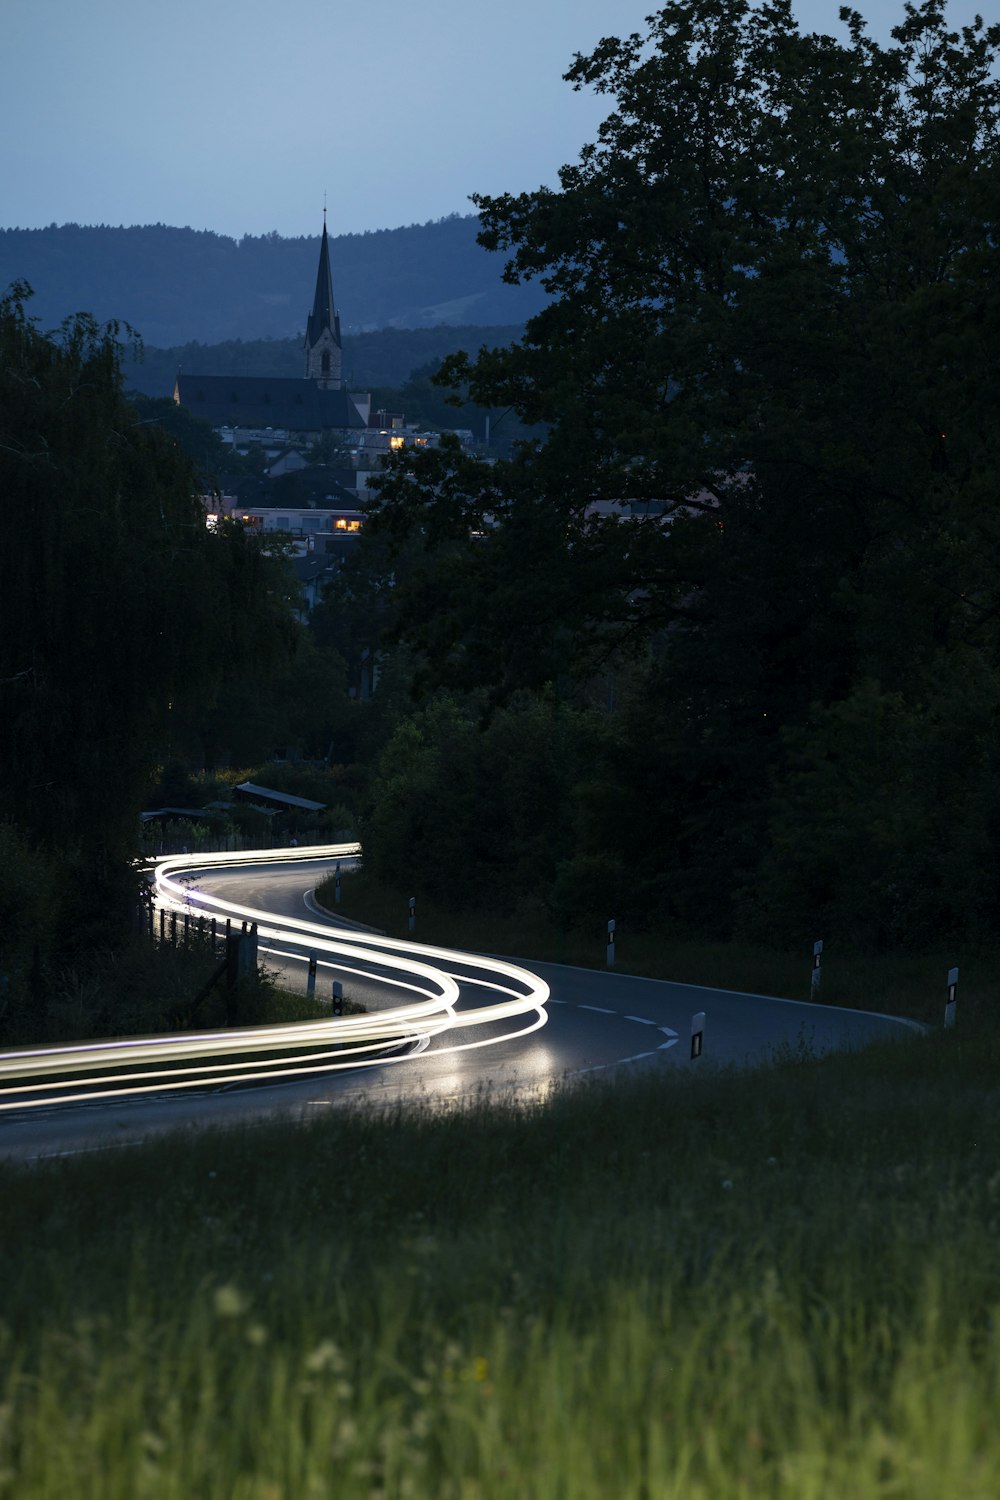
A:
(479, 1024)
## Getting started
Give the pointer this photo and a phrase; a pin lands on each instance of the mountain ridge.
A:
(181, 285)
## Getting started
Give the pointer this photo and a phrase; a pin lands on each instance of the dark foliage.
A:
(765, 493)
(119, 609)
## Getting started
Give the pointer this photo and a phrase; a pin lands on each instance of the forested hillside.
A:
(176, 285)
(384, 357)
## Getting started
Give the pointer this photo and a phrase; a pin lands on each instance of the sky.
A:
(238, 115)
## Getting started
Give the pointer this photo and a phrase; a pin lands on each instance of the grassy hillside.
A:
(695, 1287)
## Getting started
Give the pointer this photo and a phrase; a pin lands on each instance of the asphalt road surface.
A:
(597, 1022)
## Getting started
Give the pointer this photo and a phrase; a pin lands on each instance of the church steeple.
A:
(322, 346)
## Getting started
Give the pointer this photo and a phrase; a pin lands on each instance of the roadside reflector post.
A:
(817, 969)
(248, 953)
(950, 1007)
(412, 922)
(338, 998)
(697, 1034)
(611, 943)
(311, 981)
(336, 885)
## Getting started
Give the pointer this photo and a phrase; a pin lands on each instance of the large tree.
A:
(118, 607)
(771, 284)
(770, 353)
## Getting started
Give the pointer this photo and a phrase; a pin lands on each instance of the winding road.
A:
(440, 1026)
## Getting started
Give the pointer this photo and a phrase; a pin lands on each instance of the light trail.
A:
(107, 1070)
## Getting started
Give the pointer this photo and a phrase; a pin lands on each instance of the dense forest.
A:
(174, 285)
(384, 357)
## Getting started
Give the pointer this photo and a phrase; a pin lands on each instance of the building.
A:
(278, 413)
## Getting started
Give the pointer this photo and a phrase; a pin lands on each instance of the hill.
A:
(179, 285)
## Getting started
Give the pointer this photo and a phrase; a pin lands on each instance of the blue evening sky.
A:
(236, 115)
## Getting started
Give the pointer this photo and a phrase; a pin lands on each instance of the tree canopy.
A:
(764, 482)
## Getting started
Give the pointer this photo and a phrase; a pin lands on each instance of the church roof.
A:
(264, 401)
(324, 314)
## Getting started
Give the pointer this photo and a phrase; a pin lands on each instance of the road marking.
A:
(601, 1010)
(849, 1010)
(602, 1067)
(669, 1031)
(641, 1019)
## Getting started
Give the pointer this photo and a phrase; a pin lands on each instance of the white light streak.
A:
(431, 1005)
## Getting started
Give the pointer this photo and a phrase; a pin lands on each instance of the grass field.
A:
(897, 983)
(780, 1284)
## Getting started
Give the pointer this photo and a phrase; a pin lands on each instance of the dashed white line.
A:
(671, 1035)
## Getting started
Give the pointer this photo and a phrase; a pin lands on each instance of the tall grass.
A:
(146, 987)
(897, 983)
(702, 1285)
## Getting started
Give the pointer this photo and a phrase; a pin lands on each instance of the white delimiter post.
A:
(949, 1010)
(697, 1034)
(311, 981)
(336, 885)
(412, 923)
(817, 970)
(611, 943)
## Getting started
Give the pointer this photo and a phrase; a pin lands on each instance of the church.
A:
(279, 411)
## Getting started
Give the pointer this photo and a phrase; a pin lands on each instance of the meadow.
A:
(690, 1285)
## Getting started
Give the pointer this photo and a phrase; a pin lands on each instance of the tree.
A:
(479, 814)
(194, 437)
(118, 608)
(761, 275)
(768, 456)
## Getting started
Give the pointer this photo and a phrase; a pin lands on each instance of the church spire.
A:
(322, 346)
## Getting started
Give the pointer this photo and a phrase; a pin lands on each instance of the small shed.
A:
(248, 791)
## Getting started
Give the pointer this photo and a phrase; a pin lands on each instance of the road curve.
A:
(441, 1025)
